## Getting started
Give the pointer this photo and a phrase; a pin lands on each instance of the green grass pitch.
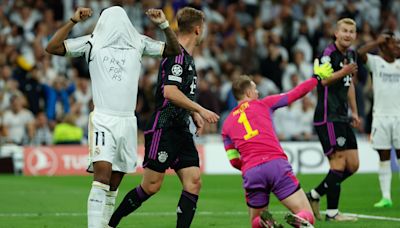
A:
(61, 202)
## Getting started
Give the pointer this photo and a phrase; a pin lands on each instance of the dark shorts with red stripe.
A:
(336, 136)
(170, 148)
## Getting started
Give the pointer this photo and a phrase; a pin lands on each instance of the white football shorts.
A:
(113, 139)
(385, 132)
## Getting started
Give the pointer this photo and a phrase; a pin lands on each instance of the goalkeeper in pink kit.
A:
(253, 147)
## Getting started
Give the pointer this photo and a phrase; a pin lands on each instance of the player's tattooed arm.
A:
(56, 43)
(362, 51)
(172, 46)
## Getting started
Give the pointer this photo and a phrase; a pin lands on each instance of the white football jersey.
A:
(114, 52)
(386, 85)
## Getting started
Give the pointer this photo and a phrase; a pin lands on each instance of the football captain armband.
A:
(234, 158)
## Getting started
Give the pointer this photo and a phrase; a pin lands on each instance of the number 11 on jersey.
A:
(249, 130)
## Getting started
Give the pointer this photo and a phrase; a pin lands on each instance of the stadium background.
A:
(275, 41)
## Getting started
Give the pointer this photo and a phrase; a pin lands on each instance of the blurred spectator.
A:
(306, 119)
(3, 132)
(47, 72)
(26, 17)
(287, 123)
(264, 85)
(57, 98)
(206, 98)
(323, 37)
(299, 67)
(5, 93)
(272, 66)
(33, 90)
(83, 95)
(303, 43)
(67, 132)
(242, 14)
(312, 19)
(18, 122)
(43, 134)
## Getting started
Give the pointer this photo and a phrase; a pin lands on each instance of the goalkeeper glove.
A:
(323, 71)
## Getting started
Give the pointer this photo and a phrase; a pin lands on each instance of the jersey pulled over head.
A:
(114, 29)
(114, 52)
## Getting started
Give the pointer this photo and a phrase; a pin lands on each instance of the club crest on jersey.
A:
(341, 141)
(162, 156)
(325, 59)
(347, 80)
(176, 70)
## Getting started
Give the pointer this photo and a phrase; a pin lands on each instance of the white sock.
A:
(96, 202)
(314, 194)
(332, 212)
(385, 178)
(109, 206)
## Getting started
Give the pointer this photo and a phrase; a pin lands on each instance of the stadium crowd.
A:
(46, 99)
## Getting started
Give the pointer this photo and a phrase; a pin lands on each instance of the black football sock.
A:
(322, 187)
(132, 201)
(186, 209)
(346, 174)
(333, 181)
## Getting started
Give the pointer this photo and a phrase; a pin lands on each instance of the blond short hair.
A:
(347, 21)
(188, 18)
(240, 85)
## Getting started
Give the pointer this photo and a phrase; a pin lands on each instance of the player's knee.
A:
(352, 168)
(307, 215)
(384, 155)
(152, 187)
(104, 179)
(197, 183)
(193, 185)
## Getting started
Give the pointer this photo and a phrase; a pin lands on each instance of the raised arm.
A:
(323, 71)
(172, 46)
(56, 43)
(362, 51)
(285, 99)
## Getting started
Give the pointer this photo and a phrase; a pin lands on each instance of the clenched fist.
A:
(156, 16)
(82, 14)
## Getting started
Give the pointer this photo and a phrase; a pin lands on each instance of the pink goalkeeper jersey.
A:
(250, 130)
